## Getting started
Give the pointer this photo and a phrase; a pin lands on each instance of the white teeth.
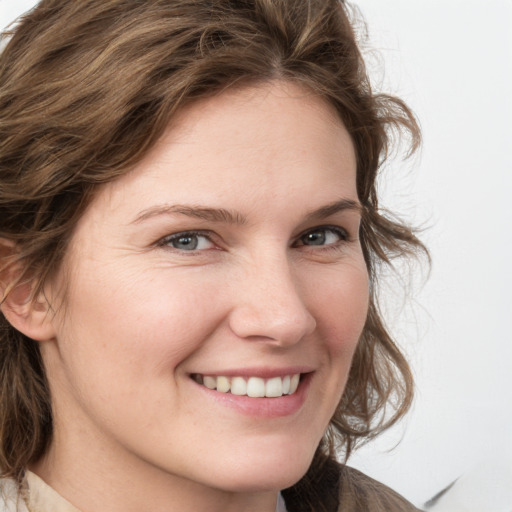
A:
(274, 387)
(223, 384)
(254, 387)
(286, 385)
(294, 383)
(238, 386)
(210, 382)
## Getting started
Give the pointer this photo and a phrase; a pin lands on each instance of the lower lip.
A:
(285, 405)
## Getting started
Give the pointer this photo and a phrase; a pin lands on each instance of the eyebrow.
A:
(197, 212)
(335, 207)
(234, 217)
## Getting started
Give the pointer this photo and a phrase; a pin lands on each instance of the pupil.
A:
(317, 238)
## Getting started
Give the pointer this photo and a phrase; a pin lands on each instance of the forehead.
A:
(248, 115)
(245, 145)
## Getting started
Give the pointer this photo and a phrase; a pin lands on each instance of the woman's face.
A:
(228, 258)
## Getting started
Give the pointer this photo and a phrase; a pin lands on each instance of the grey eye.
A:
(323, 236)
(189, 242)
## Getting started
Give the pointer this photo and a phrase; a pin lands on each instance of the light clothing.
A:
(281, 505)
(42, 498)
(10, 498)
(38, 496)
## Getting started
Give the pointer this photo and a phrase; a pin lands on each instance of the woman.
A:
(190, 236)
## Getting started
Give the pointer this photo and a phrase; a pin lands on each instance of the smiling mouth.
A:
(254, 387)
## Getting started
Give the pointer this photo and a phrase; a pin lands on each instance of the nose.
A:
(270, 305)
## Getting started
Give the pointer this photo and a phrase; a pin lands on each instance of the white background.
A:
(451, 60)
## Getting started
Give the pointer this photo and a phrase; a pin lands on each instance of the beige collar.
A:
(40, 497)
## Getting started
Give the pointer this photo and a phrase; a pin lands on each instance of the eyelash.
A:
(340, 232)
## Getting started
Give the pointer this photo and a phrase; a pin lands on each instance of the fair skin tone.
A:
(230, 252)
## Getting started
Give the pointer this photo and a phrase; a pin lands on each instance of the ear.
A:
(30, 315)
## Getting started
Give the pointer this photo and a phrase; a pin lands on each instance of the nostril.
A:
(264, 322)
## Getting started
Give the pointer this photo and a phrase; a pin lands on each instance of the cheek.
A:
(342, 309)
(136, 323)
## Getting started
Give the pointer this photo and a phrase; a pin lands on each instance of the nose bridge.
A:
(271, 305)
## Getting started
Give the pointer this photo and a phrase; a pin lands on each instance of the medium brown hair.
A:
(86, 88)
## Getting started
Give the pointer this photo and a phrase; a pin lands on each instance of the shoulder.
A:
(358, 492)
(10, 500)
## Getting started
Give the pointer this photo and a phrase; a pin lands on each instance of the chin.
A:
(272, 472)
(252, 482)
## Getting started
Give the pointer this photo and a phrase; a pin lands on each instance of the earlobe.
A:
(30, 315)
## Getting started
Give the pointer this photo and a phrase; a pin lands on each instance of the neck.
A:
(89, 481)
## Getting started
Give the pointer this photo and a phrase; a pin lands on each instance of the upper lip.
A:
(262, 372)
